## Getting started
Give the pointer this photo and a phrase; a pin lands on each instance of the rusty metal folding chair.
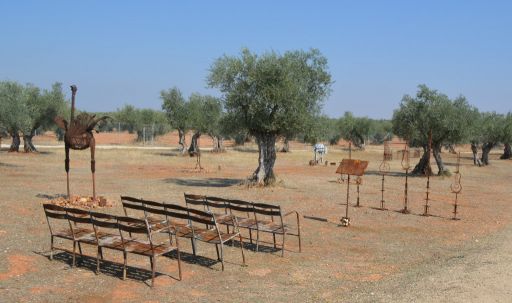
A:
(137, 238)
(137, 209)
(270, 220)
(81, 227)
(212, 233)
(60, 227)
(106, 233)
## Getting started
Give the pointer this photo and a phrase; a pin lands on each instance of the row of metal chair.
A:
(258, 217)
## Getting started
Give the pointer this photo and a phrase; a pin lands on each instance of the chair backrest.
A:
(195, 201)
(55, 212)
(262, 210)
(134, 204)
(196, 217)
(103, 221)
(78, 218)
(216, 205)
(130, 227)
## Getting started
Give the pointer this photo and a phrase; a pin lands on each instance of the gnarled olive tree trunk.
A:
(439, 161)
(28, 146)
(474, 150)
(218, 144)
(15, 145)
(423, 167)
(181, 141)
(286, 146)
(264, 174)
(486, 149)
(507, 152)
(194, 147)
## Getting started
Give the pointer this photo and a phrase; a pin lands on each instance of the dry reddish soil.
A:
(336, 263)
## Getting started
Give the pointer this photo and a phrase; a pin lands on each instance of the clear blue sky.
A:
(126, 52)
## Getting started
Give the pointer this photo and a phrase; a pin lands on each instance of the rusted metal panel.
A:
(352, 167)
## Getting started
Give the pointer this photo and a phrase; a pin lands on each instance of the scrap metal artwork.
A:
(78, 136)
(388, 153)
(406, 166)
(350, 167)
(429, 172)
(456, 187)
(384, 170)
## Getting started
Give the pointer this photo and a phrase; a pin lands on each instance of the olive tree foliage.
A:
(176, 109)
(321, 129)
(204, 116)
(271, 95)
(429, 111)
(145, 122)
(492, 129)
(507, 137)
(27, 108)
(354, 129)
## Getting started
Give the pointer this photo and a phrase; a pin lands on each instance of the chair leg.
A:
(217, 249)
(179, 262)
(257, 240)
(193, 246)
(98, 254)
(125, 256)
(51, 248)
(153, 265)
(274, 237)
(282, 247)
(101, 252)
(74, 257)
(81, 254)
(250, 235)
(222, 255)
(300, 245)
(242, 247)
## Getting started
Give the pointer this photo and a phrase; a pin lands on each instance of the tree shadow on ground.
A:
(245, 150)
(8, 165)
(209, 182)
(169, 154)
(392, 174)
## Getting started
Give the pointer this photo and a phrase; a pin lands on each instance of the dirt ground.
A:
(384, 256)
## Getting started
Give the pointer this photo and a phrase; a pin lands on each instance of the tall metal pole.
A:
(405, 165)
(456, 187)
(429, 170)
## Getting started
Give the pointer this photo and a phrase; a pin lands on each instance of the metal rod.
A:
(382, 194)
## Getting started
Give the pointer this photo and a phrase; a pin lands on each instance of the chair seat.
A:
(212, 236)
(186, 231)
(141, 247)
(111, 241)
(162, 226)
(272, 227)
(223, 218)
(79, 233)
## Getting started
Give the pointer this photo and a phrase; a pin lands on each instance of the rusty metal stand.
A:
(456, 187)
(345, 221)
(198, 161)
(429, 171)
(358, 182)
(383, 169)
(405, 165)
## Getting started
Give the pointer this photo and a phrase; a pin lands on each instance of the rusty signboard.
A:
(352, 167)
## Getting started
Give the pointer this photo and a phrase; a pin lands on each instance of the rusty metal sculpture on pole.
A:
(429, 172)
(78, 136)
(384, 170)
(456, 187)
(350, 167)
(406, 166)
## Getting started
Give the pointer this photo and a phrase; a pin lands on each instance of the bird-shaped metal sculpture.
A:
(79, 136)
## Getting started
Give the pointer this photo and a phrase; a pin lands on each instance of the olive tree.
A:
(271, 95)
(176, 110)
(449, 122)
(204, 114)
(354, 129)
(28, 108)
(507, 137)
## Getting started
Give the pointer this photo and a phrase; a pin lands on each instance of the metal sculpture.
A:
(78, 136)
(384, 170)
(350, 167)
(388, 153)
(406, 166)
(429, 172)
(456, 187)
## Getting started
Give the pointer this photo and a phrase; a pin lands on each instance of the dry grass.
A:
(334, 259)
